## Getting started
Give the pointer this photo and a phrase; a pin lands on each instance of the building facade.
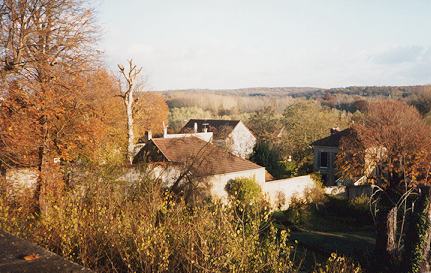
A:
(232, 135)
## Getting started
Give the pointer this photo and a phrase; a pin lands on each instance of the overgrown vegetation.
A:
(139, 228)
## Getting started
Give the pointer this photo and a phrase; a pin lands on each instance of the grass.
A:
(334, 226)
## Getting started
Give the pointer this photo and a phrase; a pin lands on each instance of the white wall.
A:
(26, 177)
(241, 141)
(290, 187)
(207, 137)
(219, 181)
(168, 174)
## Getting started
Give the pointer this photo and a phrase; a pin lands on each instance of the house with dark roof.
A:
(191, 157)
(325, 152)
(230, 134)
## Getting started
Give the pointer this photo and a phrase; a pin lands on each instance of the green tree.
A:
(305, 122)
(268, 155)
(266, 124)
(178, 117)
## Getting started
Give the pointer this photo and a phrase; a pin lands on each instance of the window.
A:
(324, 159)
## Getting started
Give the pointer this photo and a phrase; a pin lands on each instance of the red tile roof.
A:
(209, 158)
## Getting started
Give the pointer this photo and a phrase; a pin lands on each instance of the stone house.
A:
(325, 152)
(230, 134)
(190, 157)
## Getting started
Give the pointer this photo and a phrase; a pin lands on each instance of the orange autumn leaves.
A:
(80, 117)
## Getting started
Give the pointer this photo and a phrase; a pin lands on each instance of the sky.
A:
(220, 44)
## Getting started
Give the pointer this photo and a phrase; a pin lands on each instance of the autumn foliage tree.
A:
(150, 112)
(393, 144)
(45, 47)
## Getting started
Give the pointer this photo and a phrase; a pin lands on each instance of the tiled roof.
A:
(221, 128)
(332, 140)
(206, 158)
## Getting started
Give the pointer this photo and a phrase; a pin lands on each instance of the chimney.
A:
(195, 127)
(334, 130)
(165, 130)
(205, 129)
(148, 135)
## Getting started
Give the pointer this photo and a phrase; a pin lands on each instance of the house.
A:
(325, 152)
(230, 134)
(190, 157)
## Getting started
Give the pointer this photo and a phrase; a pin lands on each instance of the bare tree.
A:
(37, 35)
(127, 88)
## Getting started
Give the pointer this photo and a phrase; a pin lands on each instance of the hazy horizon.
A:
(245, 44)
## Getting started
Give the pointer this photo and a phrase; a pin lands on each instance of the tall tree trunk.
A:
(129, 76)
(130, 133)
(386, 228)
(418, 236)
(37, 196)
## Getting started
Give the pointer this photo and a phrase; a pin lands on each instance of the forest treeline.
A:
(226, 101)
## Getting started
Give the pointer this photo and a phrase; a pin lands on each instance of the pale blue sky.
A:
(234, 44)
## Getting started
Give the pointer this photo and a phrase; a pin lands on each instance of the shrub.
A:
(339, 264)
(361, 202)
(244, 190)
(315, 195)
(298, 213)
(111, 226)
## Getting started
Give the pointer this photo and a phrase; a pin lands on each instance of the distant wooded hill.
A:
(232, 103)
(314, 92)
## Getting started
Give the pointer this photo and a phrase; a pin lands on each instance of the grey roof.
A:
(332, 140)
(221, 128)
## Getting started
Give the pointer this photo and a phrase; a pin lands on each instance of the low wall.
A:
(349, 192)
(22, 177)
(287, 188)
(356, 191)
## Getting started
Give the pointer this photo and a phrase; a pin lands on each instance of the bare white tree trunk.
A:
(130, 75)
(130, 133)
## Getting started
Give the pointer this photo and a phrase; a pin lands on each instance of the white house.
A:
(230, 134)
(175, 158)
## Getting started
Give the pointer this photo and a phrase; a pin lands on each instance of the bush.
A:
(315, 195)
(244, 190)
(339, 264)
(347, 212)
(298, 213)
(111, 226)
(361, 203)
